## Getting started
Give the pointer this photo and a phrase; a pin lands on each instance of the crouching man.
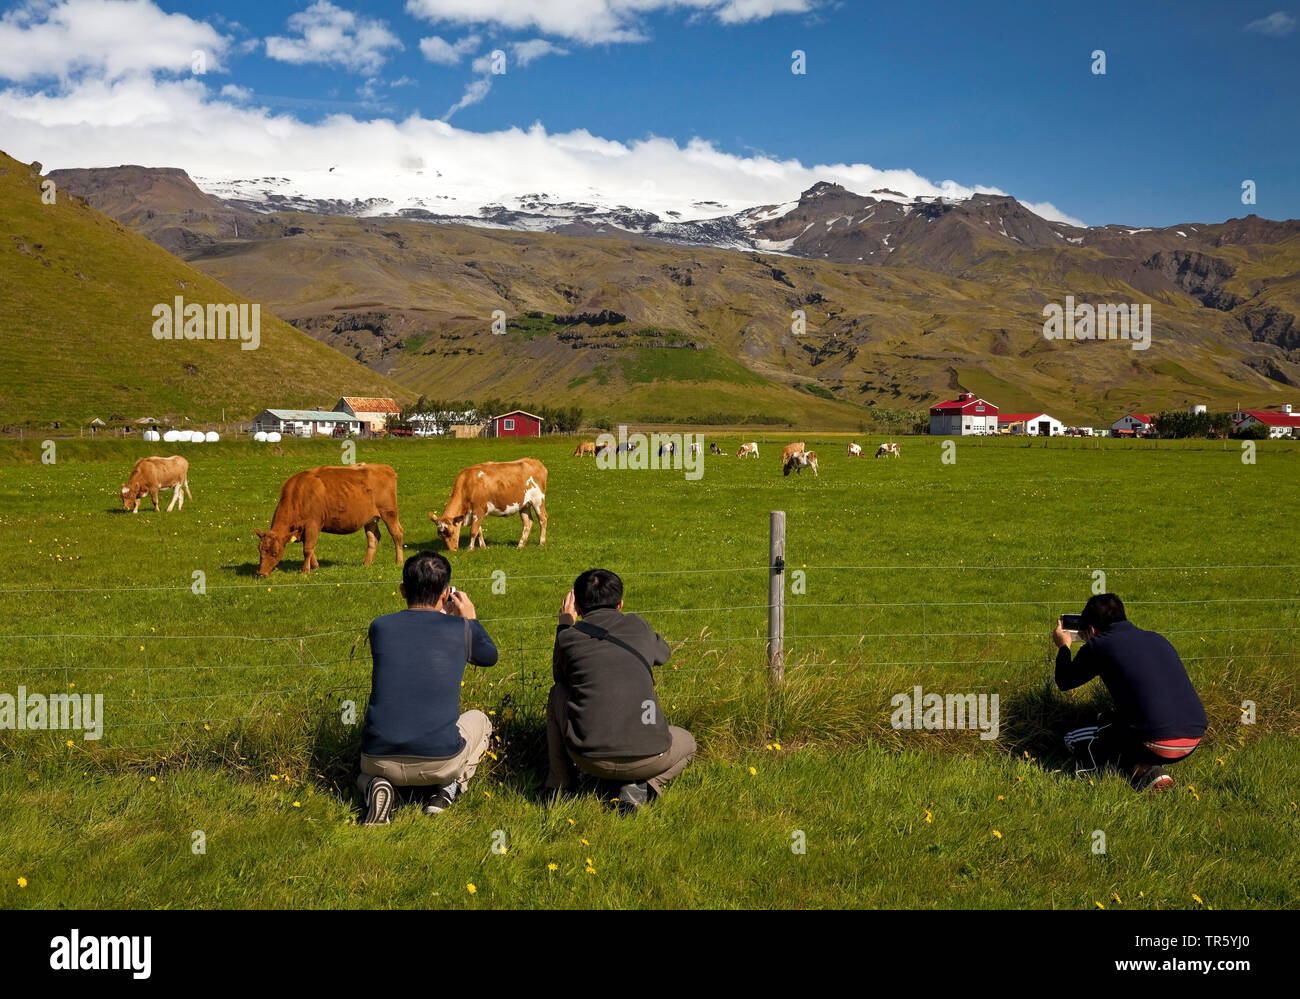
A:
(415, 734)
(1158, 717)
(602, 715)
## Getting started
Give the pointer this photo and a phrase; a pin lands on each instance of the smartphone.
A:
(451, 592)
(1072, 622)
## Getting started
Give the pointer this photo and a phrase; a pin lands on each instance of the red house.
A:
(515, 423)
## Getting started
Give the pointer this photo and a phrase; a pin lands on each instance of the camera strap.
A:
(597, 632)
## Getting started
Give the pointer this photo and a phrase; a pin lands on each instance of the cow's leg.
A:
(528, 526)
(309, 536)
(541, 519)
(395, 529)
(186, 483)
(372, 540)
(176, 495)
(153, 495)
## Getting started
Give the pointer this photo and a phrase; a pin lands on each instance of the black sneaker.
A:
(632, 796)
(381, 796)
(442, 799)
(1154, 780)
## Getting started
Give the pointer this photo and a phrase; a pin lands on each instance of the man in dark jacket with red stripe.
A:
(603, 715)
(1158, 716)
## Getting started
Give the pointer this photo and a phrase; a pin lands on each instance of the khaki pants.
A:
(656, 771)
(421, 771)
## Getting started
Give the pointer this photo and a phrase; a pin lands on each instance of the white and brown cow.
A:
(890, 448)
(855, 450)
(493, 489)
(790, 449)
(153, 474)
(747, 450)
(800, 460)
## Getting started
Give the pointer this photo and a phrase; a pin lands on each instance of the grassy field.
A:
(225, 709)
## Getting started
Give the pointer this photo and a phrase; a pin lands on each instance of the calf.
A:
(714, 449)
(746, 450)
(332, 499)
(584, 449)
(498, 489)
(152, 474)
(890, 448)
(855, 450)
(801, 460)
(790, 449)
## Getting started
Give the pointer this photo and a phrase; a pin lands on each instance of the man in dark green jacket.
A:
(602, 715)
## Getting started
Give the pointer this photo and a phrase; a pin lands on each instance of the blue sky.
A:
(1195, 99)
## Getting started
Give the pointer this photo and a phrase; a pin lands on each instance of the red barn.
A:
(515, 423)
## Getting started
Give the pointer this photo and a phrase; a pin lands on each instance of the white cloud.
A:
(475, 91)
(446, 53)
(334, 36)
(593, 21)
(110, 39)
(237, 93)
(534, 48)
(1277, 24)
(180, 123)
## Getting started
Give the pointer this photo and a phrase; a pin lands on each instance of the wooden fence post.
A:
(776, 598)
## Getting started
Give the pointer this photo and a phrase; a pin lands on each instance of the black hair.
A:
(424, 576)
(1103, 610)
(597, 588)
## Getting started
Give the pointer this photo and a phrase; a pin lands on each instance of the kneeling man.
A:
(603, 715)
(1158, 719)
(415, 734)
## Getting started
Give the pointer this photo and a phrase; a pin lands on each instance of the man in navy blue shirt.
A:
(415, 734)
(1158, 717)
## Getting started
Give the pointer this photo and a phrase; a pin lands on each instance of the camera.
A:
(1072, 622)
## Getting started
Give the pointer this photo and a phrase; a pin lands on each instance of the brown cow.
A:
(584, 449)
(334, 499)
(790, 449)
(498, 489)
(748, 449)
(152, 474)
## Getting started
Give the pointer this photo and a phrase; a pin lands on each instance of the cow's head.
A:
(130, 497)
(448, 529)
(271, 549)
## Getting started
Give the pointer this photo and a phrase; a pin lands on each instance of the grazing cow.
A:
(800, 460)
(695, 449)
(790, 449)
(714, 449)
(584, 449)
(332, 499)
(855, 450)
(669, 447)
(152, 474)
(498, 489)
(748, 449)
(890, 448)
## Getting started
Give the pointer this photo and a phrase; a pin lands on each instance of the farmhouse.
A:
(372, 412)
(965, 415)
(1033, 424)
(1132, 425)
(1283, 424)
(305, 422)
(515, 423)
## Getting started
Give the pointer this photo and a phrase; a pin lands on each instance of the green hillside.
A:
(77, 290)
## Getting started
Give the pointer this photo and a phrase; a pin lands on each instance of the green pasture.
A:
(227, 699)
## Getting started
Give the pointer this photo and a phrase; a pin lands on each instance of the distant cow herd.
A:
(350, 498)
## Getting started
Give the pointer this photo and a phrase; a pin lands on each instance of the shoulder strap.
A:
(595, 631)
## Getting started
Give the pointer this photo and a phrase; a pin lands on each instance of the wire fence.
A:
(842, 621)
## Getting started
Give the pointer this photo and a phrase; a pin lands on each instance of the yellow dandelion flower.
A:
(584, 842)
(207, 727)
(1142, 894)
(753, 772)
(69, 743)
(1219, 760)
(591, 870)
(570, 821)
(552, 866)
(589, 863)
(997, 834)
(1026, 754)
(275, 776)
(928, 816)
(1198, 898)
(471, 888)
(1191, 788)
(1000, 798)
(141, 648)
(492, 754)
(1115, 896)
(1099, 905)
(71, 684)
(153, 780)
(1019, 779)
(491, 712)
(487, 794)
(22, 882)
